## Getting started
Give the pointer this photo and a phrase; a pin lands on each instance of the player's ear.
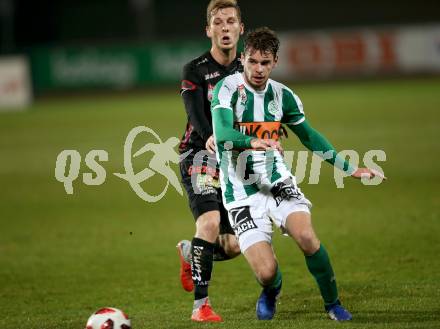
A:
(241, 28)
(208, 31)
(275, 61)
(242, 57)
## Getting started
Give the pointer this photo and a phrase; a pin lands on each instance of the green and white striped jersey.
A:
(255, 114)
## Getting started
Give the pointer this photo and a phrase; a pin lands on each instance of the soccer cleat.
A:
(205, 314)
(338, 313)
(184, 251)
(267, 304)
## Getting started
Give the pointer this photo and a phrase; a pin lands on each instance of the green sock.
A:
(275, 284)
(321, 269)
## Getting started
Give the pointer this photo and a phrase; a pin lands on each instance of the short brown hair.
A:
(215, 5)
(262, 39)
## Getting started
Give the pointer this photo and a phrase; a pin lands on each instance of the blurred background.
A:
(127, 44)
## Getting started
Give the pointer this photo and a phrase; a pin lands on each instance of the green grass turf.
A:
(64, 256)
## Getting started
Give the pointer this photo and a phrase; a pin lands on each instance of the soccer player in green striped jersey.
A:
(248, 109)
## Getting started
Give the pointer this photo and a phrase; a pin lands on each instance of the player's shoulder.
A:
(232, 81)
(287, 95)
(197, 62)
(280, 87)
(235, 78)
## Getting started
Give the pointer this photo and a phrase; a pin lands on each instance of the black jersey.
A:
(199, 79)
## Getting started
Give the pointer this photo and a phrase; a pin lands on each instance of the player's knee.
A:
(208, 227)
(308, 242)
(266, 273)
(231, 246)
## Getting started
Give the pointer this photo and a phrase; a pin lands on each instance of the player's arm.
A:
(223, 121)
(223, 117)
(294, 118)
(193, 98)
(316, 142)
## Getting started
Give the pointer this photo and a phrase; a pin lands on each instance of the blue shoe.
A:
(267, 304)
(338, 313)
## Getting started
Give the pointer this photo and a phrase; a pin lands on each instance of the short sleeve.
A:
(293, 111)
(223, 95)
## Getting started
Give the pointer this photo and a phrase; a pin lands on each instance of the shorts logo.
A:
(285, 191)
(207, 185)
(243, 221)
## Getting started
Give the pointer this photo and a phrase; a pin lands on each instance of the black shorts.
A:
(201, 182)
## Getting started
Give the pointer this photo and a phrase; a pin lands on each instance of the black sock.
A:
(220, 253)
(201, 266)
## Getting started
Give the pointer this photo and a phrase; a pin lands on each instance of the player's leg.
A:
(202, 252)
(254, 231)
(184, 246)
(203, 201)
(227, 246)
(262, 260)
(299, 226)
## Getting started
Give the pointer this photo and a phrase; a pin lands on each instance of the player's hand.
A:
(368, 173)
(266, 144)
(210, 145)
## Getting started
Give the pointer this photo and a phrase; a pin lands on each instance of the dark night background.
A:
(27, 23)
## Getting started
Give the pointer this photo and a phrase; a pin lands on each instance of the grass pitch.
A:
(64, 256)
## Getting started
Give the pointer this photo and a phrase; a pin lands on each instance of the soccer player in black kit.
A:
(214, 238)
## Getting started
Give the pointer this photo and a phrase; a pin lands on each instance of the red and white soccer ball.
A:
(108, 318)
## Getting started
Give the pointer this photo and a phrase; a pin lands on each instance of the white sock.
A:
(199, 302)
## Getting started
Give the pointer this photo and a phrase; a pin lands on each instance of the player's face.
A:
(257, 67)
(224, 29)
